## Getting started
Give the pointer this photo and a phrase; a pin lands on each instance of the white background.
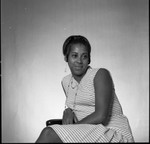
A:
(33, 32)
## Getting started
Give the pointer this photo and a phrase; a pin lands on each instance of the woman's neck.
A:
(78, 78)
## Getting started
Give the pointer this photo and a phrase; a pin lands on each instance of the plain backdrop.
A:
(32, 35)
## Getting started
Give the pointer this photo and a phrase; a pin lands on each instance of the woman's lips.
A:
(78, 67)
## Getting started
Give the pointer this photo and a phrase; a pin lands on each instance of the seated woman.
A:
(93, 112)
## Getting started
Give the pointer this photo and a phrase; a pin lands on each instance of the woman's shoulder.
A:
(97, 73)
(102, 72)
(66, 78)
(99, 70)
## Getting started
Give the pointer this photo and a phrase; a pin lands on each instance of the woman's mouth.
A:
(78, 67)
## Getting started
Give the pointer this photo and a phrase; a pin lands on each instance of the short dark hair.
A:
(75, 39)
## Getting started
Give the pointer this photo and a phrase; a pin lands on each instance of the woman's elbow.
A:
(102, 118)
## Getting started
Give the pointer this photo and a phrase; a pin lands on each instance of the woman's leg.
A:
(48, 135)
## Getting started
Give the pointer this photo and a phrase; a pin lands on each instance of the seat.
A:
(53, 121)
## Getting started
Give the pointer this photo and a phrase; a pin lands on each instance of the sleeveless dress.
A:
(81, 98)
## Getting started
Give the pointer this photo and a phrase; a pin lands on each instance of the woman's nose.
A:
(79, 60)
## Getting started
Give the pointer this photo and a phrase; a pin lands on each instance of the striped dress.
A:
(81, 98)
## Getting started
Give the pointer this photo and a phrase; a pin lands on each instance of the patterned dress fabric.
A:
(81, 98)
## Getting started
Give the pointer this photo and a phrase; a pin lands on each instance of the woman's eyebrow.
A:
(77, 52)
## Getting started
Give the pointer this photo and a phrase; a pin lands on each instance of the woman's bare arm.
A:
(103, 95)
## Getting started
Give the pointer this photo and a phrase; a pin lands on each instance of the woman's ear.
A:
(65, 58)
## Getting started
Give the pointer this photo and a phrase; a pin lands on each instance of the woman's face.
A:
(78, 60)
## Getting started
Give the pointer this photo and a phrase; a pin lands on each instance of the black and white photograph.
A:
(74, 71)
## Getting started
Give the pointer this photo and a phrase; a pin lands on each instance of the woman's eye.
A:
(85, 56)
(74, 55)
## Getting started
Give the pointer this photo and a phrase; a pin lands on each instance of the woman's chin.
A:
(78, 73)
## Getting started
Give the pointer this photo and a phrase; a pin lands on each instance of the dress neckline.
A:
(75, 81)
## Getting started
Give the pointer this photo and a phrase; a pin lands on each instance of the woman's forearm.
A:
(94, 118)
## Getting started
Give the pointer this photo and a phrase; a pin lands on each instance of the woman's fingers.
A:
(67, 117)
(75, 119)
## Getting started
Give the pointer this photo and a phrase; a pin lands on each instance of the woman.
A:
(93, 112)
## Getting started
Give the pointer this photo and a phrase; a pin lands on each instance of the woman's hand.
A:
(75, 120)
(69, 117)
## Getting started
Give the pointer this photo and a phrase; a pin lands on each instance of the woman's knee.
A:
(50, 135)
(47, 131)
